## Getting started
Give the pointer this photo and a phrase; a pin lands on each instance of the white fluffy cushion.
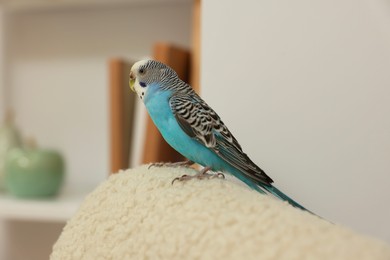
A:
(138, 214)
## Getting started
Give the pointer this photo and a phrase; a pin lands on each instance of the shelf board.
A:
(58, 209)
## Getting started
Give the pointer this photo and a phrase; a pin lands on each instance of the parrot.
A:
(194, 129)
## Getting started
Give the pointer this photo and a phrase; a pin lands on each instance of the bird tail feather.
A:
(262, 188)
(277, 193)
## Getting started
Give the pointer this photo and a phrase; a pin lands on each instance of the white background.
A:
(305, 88)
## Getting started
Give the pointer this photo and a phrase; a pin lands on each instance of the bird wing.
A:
(201, 122)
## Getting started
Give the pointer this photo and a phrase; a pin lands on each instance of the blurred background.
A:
(56, 65)
(303, 86)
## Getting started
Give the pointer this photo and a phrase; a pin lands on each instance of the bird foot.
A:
(202, 174)
(186, 164)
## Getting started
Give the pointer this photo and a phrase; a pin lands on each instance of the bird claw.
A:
(184, 177)
(186, 164)
(200, 176)
(219, 175)
(159, 164)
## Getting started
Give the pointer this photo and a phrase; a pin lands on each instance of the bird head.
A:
(145, 74)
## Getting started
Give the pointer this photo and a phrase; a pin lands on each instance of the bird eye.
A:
(141, 71)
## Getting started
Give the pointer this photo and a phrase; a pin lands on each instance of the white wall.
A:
(304, 86)
(58, 67)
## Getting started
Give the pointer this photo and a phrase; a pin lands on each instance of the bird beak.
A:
(131, 81)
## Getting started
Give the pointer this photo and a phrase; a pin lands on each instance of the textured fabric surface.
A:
(138, 214)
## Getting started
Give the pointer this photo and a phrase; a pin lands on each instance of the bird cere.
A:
(194, 129)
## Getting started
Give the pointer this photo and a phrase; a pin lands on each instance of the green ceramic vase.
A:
(33, 172)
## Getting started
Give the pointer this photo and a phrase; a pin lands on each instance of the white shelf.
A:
(58, 209)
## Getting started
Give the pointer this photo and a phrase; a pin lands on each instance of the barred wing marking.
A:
(199, 121)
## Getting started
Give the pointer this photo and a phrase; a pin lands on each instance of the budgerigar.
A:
(193, 129)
